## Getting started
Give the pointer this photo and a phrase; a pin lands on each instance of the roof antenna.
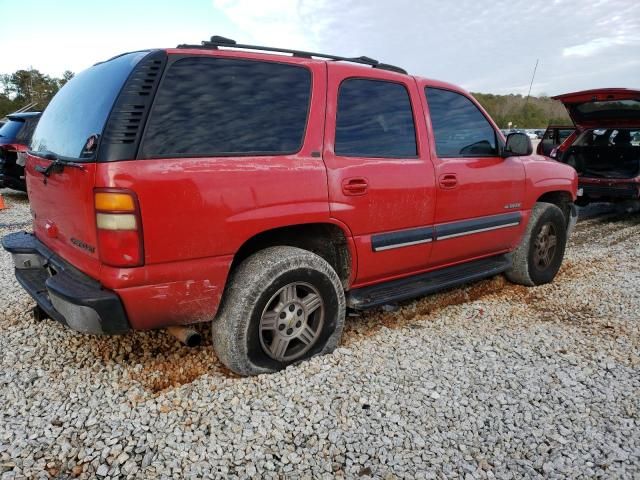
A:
(531, 84)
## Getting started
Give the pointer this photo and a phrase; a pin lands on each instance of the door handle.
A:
(355, 186)
(448, 180)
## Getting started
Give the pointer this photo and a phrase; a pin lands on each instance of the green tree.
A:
(24, 87)
(6, 105)
(536, 112)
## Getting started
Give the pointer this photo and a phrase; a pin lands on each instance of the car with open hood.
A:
(604, 148)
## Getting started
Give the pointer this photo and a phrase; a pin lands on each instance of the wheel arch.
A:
(328, 240)
(560, 198)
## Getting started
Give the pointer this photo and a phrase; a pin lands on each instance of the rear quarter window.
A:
(81, 107)
(221, 107)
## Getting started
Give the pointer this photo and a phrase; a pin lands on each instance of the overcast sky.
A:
(485, 46)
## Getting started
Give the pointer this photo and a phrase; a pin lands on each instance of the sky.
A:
(488, 46)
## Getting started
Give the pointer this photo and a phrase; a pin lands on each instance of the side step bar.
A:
(426, 283)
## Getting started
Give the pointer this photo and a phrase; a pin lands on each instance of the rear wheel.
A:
(282, 305)
(537, 259)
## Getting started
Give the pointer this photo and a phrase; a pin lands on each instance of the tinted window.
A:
(24, 137)
(460, 129)
(10, 130)
(374, 120)
(80, 109)
(218, 106)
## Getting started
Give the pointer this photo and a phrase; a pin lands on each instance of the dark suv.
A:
(266, 192)
(15, 136)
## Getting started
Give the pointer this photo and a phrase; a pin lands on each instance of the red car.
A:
(266, 192)
(605, 146)
(15, 136)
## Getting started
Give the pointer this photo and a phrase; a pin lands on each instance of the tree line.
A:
(534, 112)
(24, 87)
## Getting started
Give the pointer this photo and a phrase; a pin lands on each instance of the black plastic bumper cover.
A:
(624, 191)
(66, 294)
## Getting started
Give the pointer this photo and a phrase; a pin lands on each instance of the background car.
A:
(15, 136)
(531, 134)
(553, 137)
(603, 147)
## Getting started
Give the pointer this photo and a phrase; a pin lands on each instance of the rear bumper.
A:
(63, 292)
(620, 191)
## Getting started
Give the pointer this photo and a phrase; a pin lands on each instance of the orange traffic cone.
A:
(2, 205)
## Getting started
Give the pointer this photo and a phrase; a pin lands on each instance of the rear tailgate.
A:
(603, 107)
(70, 131)
(63, 213)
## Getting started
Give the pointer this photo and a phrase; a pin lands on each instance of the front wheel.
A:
(537, 259)
(282, 305)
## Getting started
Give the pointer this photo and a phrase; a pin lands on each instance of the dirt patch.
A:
(162, 373)
(157, 361)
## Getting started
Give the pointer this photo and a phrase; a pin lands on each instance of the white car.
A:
(531, 134)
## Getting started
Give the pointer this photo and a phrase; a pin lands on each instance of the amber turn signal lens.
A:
(114, 202)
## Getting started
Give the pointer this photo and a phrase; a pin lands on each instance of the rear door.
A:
(480, 195)
(70, 128)
(381, 180)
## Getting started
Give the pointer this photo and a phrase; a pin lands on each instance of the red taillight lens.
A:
(119, 226)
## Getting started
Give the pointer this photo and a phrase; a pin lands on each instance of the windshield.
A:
(10, 130)
(81, 108)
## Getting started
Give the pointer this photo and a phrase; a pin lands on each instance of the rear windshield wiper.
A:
(58, 163)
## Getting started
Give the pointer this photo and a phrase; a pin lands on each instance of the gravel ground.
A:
(490, 381)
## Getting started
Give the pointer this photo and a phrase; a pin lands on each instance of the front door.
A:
(480, 195)
(381, 180)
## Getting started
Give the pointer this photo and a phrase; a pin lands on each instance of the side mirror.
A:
(518, 145)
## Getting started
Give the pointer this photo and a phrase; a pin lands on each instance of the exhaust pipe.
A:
(186, 335)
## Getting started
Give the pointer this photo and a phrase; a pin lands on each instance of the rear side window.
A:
(374, 120)
(81, 107)
(460, 129)
(24, 136)
(220, 107)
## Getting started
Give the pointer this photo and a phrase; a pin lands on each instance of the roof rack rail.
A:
(217, 41)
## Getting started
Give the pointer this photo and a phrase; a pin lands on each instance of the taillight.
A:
(119, 228)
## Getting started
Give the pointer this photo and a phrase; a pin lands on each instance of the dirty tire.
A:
(253, 291)
(526, 270)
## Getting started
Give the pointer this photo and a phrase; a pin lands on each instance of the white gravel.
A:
(490, 381)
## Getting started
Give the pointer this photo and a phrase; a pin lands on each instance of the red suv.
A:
(604, 148)
(268, 192)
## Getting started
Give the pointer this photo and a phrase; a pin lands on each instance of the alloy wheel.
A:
(544, 246)
(291, 322)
